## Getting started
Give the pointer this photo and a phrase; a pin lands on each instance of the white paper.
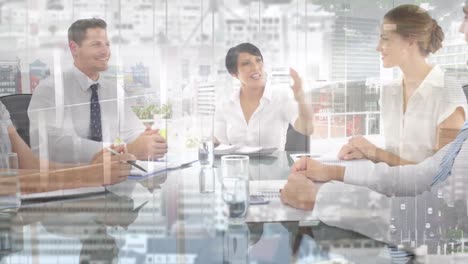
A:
(224, 147)
(151, 167)
(248, 150)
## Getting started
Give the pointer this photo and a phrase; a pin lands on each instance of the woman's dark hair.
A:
(233, 54)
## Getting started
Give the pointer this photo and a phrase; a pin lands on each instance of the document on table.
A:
(152, 167)
(224, 149)
(328, 158)
(275, 210)
(155, 167)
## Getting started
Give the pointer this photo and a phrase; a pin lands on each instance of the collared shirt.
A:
(5, 122)
(370, 189)
(412, 135)
(409, 180)
(267, 126)
(60, 118)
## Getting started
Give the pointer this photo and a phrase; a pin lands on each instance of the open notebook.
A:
(275, 210)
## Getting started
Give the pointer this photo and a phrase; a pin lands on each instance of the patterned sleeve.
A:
(4, 115)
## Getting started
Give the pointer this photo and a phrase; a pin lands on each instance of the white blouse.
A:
(412, 135)
(267, 126)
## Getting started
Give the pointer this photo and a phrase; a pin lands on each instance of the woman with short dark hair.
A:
(258, 114)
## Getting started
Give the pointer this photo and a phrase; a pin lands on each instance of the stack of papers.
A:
(224, 149)
(152, 167)
(296, 157)
(326, 158)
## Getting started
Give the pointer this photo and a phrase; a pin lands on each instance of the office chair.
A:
(465, 89)
(296, 142)
(17, 105)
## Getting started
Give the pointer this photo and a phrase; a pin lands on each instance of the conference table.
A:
(170, 218)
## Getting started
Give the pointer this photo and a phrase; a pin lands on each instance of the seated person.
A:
(257, 114)
(406, 180)
(103, 170)
(417, 107)
(74, 115)
(409, 180)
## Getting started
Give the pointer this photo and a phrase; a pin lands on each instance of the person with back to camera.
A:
(102, 170)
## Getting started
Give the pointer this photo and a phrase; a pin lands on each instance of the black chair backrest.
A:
(465, 89)
(297, 142)
(17, 105)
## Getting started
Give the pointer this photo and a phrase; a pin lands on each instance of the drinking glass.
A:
(204, 127)
(235, 185)
(206, 179)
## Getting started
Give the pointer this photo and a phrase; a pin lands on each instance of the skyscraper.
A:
(353, 49)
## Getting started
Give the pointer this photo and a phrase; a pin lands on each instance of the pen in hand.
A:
(131, 162)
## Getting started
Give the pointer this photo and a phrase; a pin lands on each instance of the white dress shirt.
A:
(5, 122)
(363, 202)
(408, 180)
(60, 118)
(413, 135)
(267, 126)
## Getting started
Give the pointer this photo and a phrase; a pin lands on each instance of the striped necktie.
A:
(445, 168)
(95, 129)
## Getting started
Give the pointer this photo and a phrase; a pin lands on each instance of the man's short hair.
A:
(233, 55)
(77, 31)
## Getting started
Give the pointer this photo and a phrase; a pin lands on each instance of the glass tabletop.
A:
(168, 219)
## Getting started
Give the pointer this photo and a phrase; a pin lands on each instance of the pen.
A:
(131, 162)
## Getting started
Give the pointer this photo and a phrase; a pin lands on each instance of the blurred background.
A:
(170, 54)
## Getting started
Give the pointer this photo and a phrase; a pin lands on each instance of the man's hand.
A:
(149, 144)
(299, 192)
(104, 162)
(317, 171)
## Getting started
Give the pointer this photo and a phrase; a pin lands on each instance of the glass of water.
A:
(10, 195)
(204, 125)
(235, 185)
